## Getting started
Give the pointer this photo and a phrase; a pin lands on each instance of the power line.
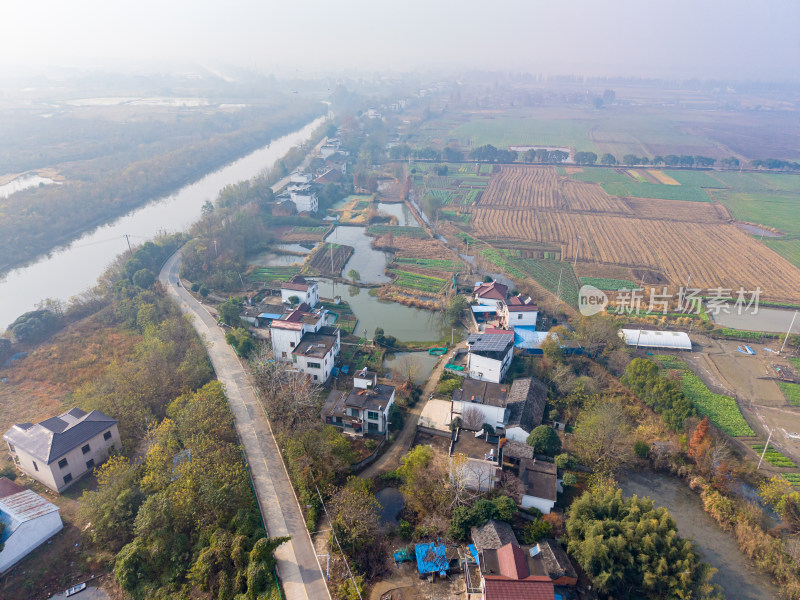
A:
(333, 532)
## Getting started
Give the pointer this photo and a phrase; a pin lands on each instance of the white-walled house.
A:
(306, 290)
(489, 294)
(299, 177)
(300, 337)
(60, 450)
(489, 355)
(303, 197)
(474, 463)
(513, 411)
(364, 409)
(29, 521)
(519, 311)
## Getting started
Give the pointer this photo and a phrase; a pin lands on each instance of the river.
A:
(70, 270)
(738, 579)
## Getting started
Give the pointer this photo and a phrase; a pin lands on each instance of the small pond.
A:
(737, 577)
(399, 364)
(369, 262)
(392, 502)
(406, 323)
(405, 218)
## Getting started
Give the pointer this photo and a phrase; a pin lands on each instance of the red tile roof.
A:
(496, 330)
(522, 308)
(512, 561)
(295, 287)
(9, 488)
(534, 588)
(492, 291)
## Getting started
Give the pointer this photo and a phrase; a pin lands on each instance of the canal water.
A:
(738, 579)
(70, 270)
(369, 263)
(399, 362)
(405, 218)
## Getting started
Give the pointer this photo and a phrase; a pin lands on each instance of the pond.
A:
(369, 263)
(738, 579)
(421, 363)
(273, 259)
(406, 323)
(405, 218)
(24, 182)
(771, 320)
(392, 502)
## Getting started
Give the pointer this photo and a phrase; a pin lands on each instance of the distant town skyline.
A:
(684, 39)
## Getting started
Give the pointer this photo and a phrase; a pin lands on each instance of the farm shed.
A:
(675, 340)
(432, 558)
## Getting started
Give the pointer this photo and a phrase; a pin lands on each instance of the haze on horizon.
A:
(733, 39)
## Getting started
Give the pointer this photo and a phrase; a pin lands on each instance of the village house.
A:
(509, 572)
(334, 176)
(60, 450)
(489, 294)
(306, 290)
(302, 338)
(299, 177)
(29, 521)
(303, 197)
(540, 481)
(364, 409)
(284, 208)
(519, 311)
(512, 410)
(489, 355)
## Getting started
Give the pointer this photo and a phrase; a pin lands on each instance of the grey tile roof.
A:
(526, 402)
(512, 449)
(54, 437)
(493, 535)
(555, 560)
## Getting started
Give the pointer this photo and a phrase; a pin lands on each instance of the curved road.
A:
(298, 567)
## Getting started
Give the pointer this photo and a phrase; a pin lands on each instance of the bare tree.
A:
(471, 418)
(290, 397)
(408, 369)
(460, 478)
(511, 486)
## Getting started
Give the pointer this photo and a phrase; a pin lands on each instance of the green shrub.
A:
(641, 449)
(536, 531)
(405, 530)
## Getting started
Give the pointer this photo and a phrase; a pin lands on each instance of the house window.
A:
(291, 344)
(62, 463)
(314, 365)
(67, 477)
(107, 435)
(519, 316)
(371, 414)
(86, 449)
(315, 377)
(90, 464)
(35, 466)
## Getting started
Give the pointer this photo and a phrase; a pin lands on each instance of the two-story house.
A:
(303, 197)
(60, 450)
(490, 354)
(519, 311)
(364, 409)
(307, 290)
(489, 294)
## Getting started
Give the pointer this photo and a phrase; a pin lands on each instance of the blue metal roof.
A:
(528, 338)
(272, 316)
(431, 558)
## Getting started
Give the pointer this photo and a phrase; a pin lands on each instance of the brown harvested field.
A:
(662, 177)
(573, 170)
(677, 210)
(541, 187)
(329, 259)
(413, 247)
(40, 384)
(713, 254)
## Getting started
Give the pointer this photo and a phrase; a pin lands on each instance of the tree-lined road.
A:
(298, 567)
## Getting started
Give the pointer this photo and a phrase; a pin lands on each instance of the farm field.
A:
(638, 189)
(417, 281)
(329, 259)
(773, 457)
(787, 248)
(613, 285)
(306, 234)
(677, 210)
(508, 130)
(429, 263)
(269, 274)
(411, 247)
(791, 392)
(779, 211)
(792, 478)
(721, 410)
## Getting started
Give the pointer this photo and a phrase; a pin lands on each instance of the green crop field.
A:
(504, 131)
(773, 457)
(670, 362)
(787, 248)
(415, 232)
(547, 274)
(721, 410)
(429, 263)
(635, 189)
(741, 182)
(266, 274)
(609, 284)
(699, 179)
(779, 182)
(600, 175)
(792, 478)
(791, 391)
(778, 210)
(423, 283)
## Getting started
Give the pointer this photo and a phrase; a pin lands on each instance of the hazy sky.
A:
(683, 38)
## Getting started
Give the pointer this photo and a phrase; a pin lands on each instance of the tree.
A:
(471, 418)
(608, 159)
(602, 437)
(355, 518)
(455, 308)
(453, 155)
(632, 550)
(536, 531)
(569, 480)
(585, 158)
(294, 300)
(229, 312)
(545, 440)
(34, 326)
(425, 482)
(353, 274)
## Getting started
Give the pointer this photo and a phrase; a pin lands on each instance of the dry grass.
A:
(39, 384)
(677, 210)
(663, 177)
(413, 247)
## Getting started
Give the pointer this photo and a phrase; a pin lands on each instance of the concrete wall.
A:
(517, 434)
(283, 342)
(489, 369)
(523, 319)
(492, 415)
(27, 537)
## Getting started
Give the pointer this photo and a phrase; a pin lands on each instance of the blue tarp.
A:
(474, 551)
(527, 338)
(431, 558)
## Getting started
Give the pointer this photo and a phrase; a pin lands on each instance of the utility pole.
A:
(128, 239)
(765, 449)
(242, 280)
(788, 332)
(558, 293)
(216, 254)
(575, 262)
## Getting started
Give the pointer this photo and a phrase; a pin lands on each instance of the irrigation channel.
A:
(68, 271)
(738, 579)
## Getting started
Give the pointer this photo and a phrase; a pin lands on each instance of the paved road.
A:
(298, 567)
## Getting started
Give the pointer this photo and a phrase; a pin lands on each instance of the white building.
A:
(489, 294)
(300, 337)
(304, 199)
(60, 450)
(474, 462)
(540, 479)
(519, 311)
(299, 177)
(489, 355)
(364, 409)
(29, 521)
(306, 290)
